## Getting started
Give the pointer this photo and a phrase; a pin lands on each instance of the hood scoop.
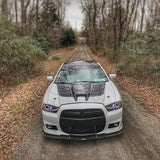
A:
(81, 90)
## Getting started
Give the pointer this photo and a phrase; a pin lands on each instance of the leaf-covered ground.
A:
(146, 94)
(20, 105)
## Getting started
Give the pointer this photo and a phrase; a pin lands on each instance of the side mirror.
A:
(112, 76)
(50, 78)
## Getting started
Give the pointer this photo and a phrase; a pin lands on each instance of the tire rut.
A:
(81, 54)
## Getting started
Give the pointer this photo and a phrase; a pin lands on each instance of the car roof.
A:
(75, 63)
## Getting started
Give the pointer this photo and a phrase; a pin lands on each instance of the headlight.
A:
(50, 108)
(114, 106)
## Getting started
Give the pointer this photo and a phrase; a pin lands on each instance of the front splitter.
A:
(83, 137)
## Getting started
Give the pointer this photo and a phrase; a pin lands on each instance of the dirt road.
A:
(81, 54)
(139, 141)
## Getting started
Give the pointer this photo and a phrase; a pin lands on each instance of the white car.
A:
(82, 103)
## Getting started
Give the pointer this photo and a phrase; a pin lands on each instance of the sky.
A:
(74, 14)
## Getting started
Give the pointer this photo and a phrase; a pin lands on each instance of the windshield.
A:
(79, 73)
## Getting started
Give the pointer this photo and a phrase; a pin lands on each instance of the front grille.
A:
(82, 121)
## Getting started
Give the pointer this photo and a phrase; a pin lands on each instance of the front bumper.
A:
(82, 138)
(110, 117)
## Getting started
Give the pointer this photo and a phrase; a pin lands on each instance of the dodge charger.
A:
(82, 103)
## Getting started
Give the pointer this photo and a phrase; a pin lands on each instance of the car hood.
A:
(104, 93)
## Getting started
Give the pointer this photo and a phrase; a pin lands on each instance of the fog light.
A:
(53, 127)
(113, 125)
(49, 126)
(116, 124)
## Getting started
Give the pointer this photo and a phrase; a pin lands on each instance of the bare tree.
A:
(61, 8)
(87, 9)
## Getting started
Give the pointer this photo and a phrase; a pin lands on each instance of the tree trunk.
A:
(37, 14)
(5, 7)
(120, 23)
(135, 15)
(130, 17)
(94, 23)
(115, 26)
(24, 12)
(143, 12)
(16, 11)
(103, 28)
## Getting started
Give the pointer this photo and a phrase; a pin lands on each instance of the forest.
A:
(128, 33)
(28, 30)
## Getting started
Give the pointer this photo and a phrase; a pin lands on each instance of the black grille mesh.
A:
(84, 121)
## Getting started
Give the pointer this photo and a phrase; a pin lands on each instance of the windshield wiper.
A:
(92, 81)
(86, 81)
(61, 83)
